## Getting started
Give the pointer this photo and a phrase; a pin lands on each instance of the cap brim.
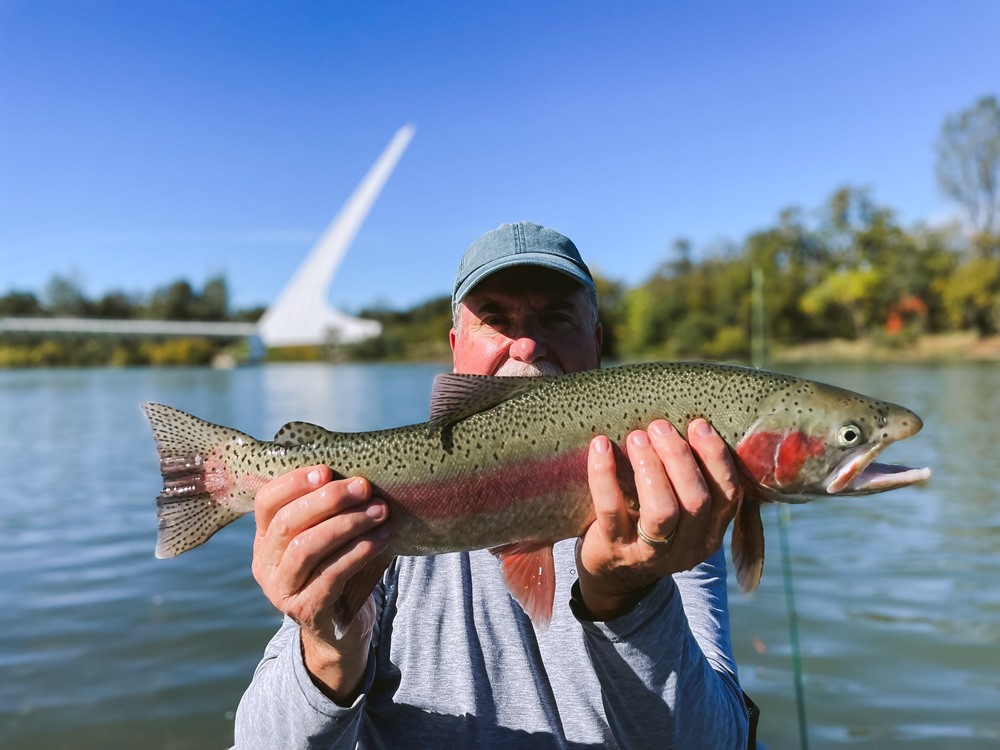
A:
(538, 260)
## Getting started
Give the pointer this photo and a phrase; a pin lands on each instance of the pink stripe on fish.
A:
(484, 493)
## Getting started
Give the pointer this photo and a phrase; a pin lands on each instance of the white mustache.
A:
(514, 369)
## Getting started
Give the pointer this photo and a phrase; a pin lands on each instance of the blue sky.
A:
(141, 142)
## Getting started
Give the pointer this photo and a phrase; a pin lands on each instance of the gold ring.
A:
(656, 543)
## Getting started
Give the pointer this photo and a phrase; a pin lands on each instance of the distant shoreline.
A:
(940, 347)
(929, 348)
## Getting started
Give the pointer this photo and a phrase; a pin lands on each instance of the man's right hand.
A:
(313, 535)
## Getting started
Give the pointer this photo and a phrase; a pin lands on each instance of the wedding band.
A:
(656, 543)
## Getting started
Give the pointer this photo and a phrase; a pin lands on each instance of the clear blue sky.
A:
(141, 142)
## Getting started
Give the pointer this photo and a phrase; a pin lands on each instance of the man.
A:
(638, 651)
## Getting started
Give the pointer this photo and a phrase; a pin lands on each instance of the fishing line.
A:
(784, 517)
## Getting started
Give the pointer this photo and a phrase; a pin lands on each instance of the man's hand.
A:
(687, 491)
(313, 536)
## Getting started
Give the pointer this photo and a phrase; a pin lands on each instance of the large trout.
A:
(502, 463)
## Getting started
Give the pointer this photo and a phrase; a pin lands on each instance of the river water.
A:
(103, 646)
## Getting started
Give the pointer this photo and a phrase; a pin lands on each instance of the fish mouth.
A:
(858, 474)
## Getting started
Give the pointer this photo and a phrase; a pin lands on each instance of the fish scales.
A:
(503, 460)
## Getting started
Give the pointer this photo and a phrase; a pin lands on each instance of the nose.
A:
(527, 348)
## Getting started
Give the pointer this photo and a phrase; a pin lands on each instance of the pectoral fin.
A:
(358, 589)
(530, 574)
(748, 545)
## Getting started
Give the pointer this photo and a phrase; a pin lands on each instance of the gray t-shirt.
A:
(456, 663)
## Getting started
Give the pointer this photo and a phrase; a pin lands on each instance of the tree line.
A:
(63, 297)
(847, 270)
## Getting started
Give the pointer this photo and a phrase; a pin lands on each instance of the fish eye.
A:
(849, 435)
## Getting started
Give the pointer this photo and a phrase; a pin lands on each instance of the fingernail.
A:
(602, 444)
(313, 477)
(661, 429)
(703, 428)
(357, 488)
(375, 511)
(640, 439)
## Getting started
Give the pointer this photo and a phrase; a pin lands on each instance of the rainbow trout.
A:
(502, 463)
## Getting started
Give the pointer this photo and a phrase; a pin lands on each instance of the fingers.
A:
(609, 504)
(311, 529)
(652, 454)
(719, 472)
(691, 486)
(335, 545)
(284, 489)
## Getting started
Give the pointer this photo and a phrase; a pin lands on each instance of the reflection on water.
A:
(103, 646)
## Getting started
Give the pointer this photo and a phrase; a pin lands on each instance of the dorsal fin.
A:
(455, 397)
(300, 433)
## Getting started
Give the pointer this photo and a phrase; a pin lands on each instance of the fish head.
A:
(812, 440)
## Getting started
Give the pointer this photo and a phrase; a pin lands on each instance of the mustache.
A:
(514, 369)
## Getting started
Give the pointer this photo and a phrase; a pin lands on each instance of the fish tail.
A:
(748, 545)
(197, 497)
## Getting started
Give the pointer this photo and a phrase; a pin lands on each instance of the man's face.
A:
(526, 321)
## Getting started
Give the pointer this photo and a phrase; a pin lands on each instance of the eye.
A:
(849, 435)
(495, 320)
(557, 319)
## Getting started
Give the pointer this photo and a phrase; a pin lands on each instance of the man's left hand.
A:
(688, 491)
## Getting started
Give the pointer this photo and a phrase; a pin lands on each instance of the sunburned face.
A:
(526, 321)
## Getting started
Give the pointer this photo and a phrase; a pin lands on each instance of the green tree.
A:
(20, 304)
(792, 258)
(610, 312)
(849, 294)
(972, 295)
(117, 305)
(968, 162)
(64, 297)
(213, 302)
(174, 302)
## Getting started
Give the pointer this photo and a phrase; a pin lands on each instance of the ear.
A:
(452, 338)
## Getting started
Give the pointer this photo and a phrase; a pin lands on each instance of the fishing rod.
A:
(759, 359)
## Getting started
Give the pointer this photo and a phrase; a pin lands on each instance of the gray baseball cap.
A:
(521, 244)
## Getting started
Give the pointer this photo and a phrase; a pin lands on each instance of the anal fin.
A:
(529, 571)
(748, 545)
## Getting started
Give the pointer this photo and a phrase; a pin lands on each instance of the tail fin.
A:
(197, 499)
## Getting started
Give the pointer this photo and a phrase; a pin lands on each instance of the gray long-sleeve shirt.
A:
(455, 662)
